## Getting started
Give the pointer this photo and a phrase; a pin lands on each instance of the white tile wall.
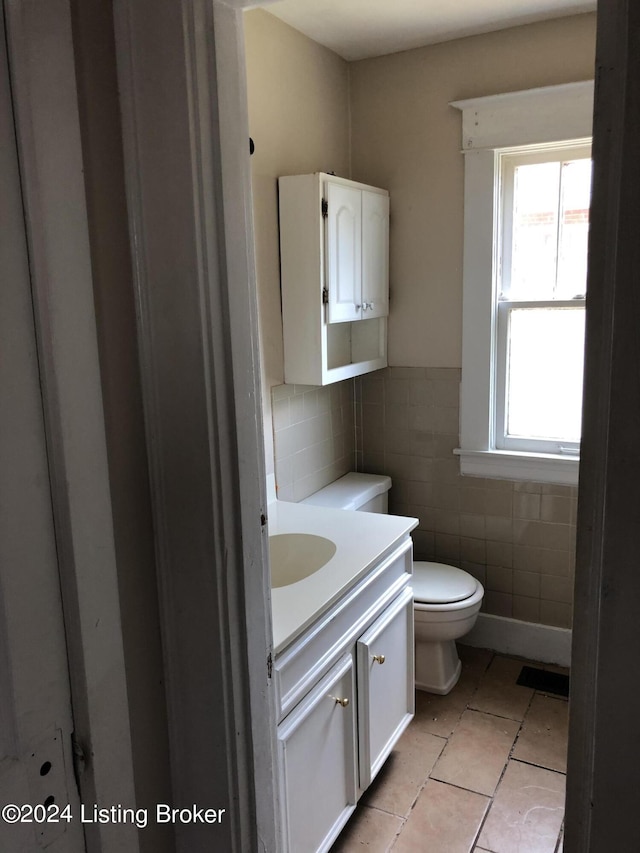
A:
(314, 437)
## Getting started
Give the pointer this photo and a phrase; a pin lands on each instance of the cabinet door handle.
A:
(379, 659)
(343, 702)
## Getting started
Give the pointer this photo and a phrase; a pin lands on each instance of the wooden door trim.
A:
(48, 135)
(190, 220)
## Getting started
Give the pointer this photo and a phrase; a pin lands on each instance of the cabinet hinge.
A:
(325, 208)
(325, 296)
(269, 666)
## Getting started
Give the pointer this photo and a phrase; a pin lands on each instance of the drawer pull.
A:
(379, 659)
(343, 702)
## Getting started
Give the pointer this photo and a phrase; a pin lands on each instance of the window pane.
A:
(535, 231)
(544, 373)
(574, 229)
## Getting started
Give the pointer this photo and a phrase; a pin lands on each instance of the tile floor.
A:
(482, 769)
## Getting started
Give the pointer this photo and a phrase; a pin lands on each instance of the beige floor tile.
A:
(474, 659)
(543, 739)
(368, 829)
(440, 714)
(527, 811)
(398, 783)
(477, 751)
(444, 820)
(498, 692)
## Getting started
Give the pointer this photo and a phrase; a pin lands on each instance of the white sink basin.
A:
(295, 556)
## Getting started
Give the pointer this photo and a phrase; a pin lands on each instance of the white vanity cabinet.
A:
(345, 694)
(334, 256)
(317, 761)
(386, 692)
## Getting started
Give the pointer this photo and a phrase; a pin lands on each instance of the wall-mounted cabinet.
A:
(334, 252)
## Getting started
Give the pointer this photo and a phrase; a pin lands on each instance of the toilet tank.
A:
(363, 492)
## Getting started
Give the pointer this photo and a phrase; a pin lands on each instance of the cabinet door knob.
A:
(379, 659)
(343, 702)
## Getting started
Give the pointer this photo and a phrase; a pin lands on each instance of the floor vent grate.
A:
(547, 682)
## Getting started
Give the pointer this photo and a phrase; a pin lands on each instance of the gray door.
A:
(36, 770)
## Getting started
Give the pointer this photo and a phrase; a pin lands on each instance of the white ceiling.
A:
(357, 29)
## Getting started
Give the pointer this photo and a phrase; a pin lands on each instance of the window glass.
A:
(535, 231)
(549, 230)
(574, 229)
(544, 373)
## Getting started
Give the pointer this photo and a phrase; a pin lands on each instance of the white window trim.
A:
(554, 114)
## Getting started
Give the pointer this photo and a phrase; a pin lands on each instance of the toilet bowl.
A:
(446, 599)
(446, 605)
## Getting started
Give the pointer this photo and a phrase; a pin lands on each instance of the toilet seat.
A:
(438, 583)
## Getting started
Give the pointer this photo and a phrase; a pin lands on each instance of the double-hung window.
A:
(527, 194)
(540, 298)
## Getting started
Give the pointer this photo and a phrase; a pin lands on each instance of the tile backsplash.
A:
(314, 436)
(517, 538)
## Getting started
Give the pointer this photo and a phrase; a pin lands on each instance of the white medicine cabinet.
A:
(334, 255)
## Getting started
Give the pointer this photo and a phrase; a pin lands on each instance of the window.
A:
(540, 299)
(527, 190)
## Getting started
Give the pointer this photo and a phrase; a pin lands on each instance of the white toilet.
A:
(446, 600)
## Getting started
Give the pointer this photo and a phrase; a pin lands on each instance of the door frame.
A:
(51, 161)
(42, 74)
(589, 690)
(190, 221)
(603, 770)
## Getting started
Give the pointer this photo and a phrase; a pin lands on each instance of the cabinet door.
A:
(316, 744)
(386, 692)
(344, 253)
(375, 255)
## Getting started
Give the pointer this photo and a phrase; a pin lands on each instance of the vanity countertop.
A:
(361, 539)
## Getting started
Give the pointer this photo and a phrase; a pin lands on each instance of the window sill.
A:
(517, 465)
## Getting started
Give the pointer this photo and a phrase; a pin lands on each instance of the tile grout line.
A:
(504, 769)
(467, 706)
(415, 800)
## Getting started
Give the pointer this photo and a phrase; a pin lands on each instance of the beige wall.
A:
(298, 97)
(394, 112)
(406, 138)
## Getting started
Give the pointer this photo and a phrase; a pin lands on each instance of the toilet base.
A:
(437, 666)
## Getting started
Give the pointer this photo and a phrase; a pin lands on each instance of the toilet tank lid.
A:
(437, 583)
(351, 491)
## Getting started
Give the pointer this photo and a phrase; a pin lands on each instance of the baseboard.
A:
(542, 643)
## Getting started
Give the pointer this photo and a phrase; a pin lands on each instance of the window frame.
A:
(502, 439)
(509, 160)
(555, 116)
